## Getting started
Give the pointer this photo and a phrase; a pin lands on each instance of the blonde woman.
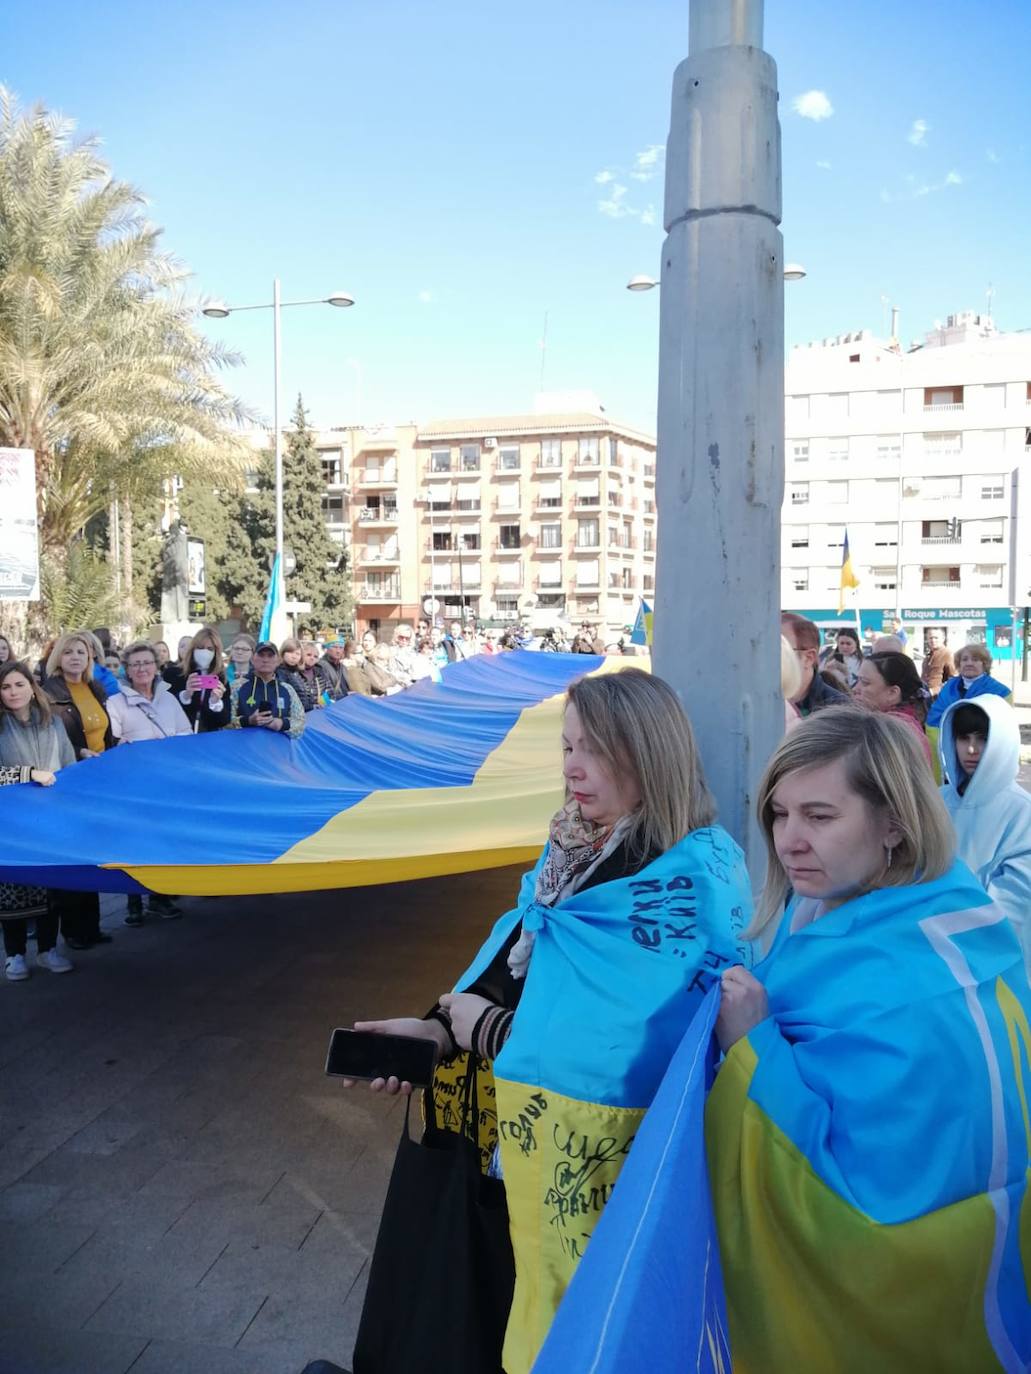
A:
(80, 703)
(199, 683)
(581, 994)
(868, 1126)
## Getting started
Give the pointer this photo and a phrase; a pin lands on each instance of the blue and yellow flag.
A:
(849, 580)
(869, 1142)
(445, 777)
(642, 631)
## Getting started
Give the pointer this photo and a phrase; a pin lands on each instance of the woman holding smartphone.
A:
(580, 996)
(199, 683)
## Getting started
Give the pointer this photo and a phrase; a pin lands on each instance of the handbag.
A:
(442, 1273)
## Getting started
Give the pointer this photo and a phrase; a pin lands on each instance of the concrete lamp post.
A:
(720, 475)
(218, 310)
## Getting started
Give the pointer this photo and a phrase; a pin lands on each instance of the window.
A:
(588, 450)
(440, 460)
(509, 537)
(939, 577)
(441, 499)
(649, 506)
(613, 536)
(588, 535)
(548, 601)
(800, 451)
(884, 579)
(613, 451)
(888, 447)
(989, 575)
(940, 531)
(628, 579)
(615, 499)
(510, 573)
(508, 496)
(508, 458)
(549, 493)
(649, 582)
(551, 453)
(468, 497)
(442, 541)
(992, 487)
(333, 510)
(627, 541)
(799, 579)
(992, 531)
(946, 443)
(943, 398)
(588, 492)
(331, 467)
(613, 581)
(469, 457)
(885, 536)
(800, 537)
(933, 488)
(836, 493)
(550, 537)
(587, 573)
(551, 574)
(469, 540)
(649, 541)
(837, 450)
(799, 493)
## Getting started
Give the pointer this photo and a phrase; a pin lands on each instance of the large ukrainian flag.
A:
(446, 777)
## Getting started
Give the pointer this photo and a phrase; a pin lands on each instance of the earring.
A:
(891, 851)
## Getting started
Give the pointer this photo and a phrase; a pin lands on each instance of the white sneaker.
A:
(55, 962)
(16, 968)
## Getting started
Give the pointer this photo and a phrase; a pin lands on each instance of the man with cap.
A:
(331, 672)
(261, 700)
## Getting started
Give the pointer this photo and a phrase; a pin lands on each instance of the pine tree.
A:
(321, 574)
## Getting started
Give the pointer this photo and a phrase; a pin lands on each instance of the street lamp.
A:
(793, 271)
(218, 310)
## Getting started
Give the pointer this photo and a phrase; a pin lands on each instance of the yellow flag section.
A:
(565, 1154)
(393, 835)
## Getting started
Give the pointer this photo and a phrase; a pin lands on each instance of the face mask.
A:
(204, 658)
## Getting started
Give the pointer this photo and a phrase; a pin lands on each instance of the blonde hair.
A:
(291, 643)
(136, 647)
(790, 672)
(977, 651)
(886, 767)
(637, 725)
(62, 642)
(186, 663)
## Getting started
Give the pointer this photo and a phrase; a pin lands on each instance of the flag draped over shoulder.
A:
(849, 580)
(617, 973)
(445, 777)
(648, 1293)
(868, 1143)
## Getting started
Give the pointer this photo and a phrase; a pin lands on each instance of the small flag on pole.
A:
(642, 631)
(848, 576)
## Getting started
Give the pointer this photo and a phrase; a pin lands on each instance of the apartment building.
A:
(546, 517)
(917, 452)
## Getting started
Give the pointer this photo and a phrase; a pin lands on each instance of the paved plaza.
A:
(182, 1191)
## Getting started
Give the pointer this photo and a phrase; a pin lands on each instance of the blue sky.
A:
(440, 162)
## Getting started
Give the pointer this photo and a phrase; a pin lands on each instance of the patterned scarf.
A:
(576, 848)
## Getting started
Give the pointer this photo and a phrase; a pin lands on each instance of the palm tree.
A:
(101, 370)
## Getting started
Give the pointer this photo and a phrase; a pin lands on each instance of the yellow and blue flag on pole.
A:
(849, 580)
(642, 631)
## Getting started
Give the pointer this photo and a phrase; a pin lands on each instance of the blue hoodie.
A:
(993, 815)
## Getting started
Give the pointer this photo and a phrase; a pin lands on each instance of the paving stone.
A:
(119, 1173)
(216, 1314)
(63, 1300)
(40, 1245)
(149, 1215)
(33, 1350)
(175, 1357)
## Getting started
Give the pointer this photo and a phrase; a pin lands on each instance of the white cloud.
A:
(614, 206)
(425, 297)
(648, 216)
(824, 166)
(918, 133)
(646, 163)
(953, 179)
(992, 155)
(886, 196)
(603, 178)
(813, 105)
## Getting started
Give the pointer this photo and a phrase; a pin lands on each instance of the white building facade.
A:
(919, 454)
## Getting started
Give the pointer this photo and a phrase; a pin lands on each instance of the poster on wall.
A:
(195, 570)
(19, 534)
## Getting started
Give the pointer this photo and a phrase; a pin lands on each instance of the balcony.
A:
(587, 502)
(943, 407)
(432, 550)
(586, 546)
(552, 588)
(941, 539)
(507, 588)
(591, 585)
(465, 470)
(377, 515)
(460, 508)
(548, 505)
(389, 590)
(500, 550)
(440, 474)
(513, 512)
(376, 477)
(504, 469)
(469, 585)
(381, 558)
(553, 467)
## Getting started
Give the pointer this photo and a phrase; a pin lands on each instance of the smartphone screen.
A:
(363, 1054)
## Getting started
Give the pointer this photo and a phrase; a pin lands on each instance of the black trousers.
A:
(78, 912)
(16, 931)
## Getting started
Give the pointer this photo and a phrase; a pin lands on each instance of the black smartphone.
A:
(364, 1054)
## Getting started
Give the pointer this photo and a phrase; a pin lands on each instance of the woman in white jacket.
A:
(980, 755)
(146, 708)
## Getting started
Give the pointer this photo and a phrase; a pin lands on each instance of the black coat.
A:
(198, 708)
(68, 713)
(308, 692)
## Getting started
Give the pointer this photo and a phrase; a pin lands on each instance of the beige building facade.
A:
(547, 518)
